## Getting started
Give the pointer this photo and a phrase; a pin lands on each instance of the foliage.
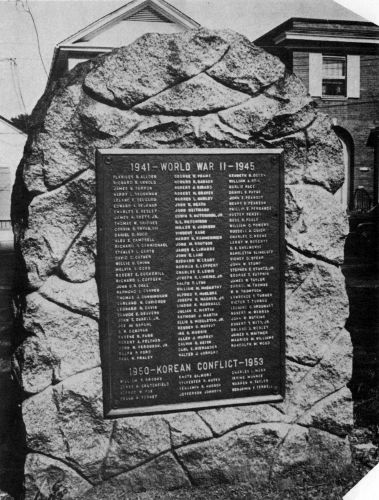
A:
(22, 122)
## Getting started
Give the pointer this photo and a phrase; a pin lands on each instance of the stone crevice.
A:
(75, 239)
(183, 467)
(140, 464)
(310, 408)
(130, 131)
(320, 429)
(184, 114)
(180, 81)
(56, 386)
(234, 428)
(174, 449)
(324, 353)
(289, 294)
(277, 449)
(65, 441)
(280, 136)
(311, 255)
(302, 363)
(68, 308)
(117, 104)
(67, 464)
(66, 181)
(296, 420)
(206, 423)
(101, 99)
(262, 89)
(235, 132)
(111, 437)
(176, 457)
(278, 408)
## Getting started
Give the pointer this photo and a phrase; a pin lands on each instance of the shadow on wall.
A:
(12, 433)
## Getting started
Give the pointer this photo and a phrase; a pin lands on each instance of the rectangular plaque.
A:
(190, 254)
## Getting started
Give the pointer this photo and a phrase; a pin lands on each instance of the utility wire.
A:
(19, 100)
(16, 79)
(26, 8)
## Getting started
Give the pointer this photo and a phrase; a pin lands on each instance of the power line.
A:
(26, 8)
(15, 86)
(17, 82)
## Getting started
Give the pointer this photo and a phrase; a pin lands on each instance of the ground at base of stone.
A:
(295, 485)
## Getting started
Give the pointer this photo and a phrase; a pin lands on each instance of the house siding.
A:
(300, 66)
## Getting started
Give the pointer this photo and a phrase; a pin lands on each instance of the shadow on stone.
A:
(362, 286)
(12, 433)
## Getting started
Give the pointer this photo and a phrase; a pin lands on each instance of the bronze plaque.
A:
(190, 273)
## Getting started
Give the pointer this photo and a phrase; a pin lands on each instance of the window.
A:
(333, 76)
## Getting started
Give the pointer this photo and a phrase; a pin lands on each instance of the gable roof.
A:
(136, 10)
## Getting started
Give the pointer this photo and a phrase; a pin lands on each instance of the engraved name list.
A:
(190, 254)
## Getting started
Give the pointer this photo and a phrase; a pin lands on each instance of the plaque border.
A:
(105, 339)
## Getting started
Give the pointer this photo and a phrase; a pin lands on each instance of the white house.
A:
(120, 27)
(12, 142)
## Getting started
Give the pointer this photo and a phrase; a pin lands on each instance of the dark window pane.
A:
(334, 87)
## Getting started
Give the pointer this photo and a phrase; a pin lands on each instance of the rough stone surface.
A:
(55, 218)
(66, 421)
(315, 224)
(246, 67)
(324, 163)
(303, 446)
(307, 386)
(49, 478)
(313, 319)
(79, 262)
(244, 453)
(134, 441)
(333, 414)
(78, 297)
(199, 95)
(163, 473)
(222, 420)
(187, 428)
(63, 343)
(194, 89)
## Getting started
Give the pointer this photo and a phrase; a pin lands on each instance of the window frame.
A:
(342, 79)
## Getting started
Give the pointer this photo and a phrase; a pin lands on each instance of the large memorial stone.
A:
(195, 89)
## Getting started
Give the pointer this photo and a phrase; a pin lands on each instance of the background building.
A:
(338, 62)
(116, 29)
(12, 141)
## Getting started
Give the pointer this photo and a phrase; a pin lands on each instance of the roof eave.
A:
(129, 9)
(323, 38)
(289, 24)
